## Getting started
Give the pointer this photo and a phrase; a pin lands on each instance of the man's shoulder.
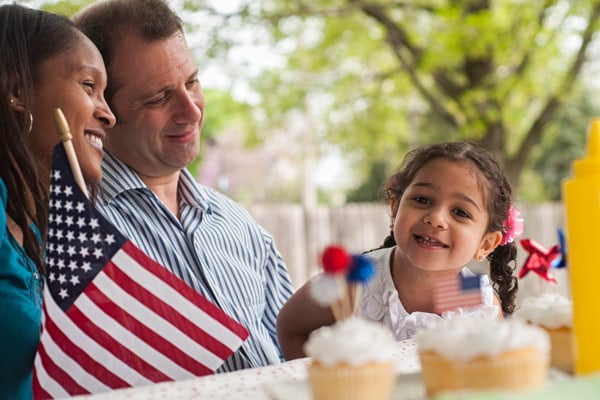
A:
(213, 197)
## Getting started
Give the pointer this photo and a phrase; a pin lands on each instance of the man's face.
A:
(159, 105)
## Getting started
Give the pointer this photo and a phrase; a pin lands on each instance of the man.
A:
(206, 239)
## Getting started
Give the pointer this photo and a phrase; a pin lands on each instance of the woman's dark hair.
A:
(499, 199)
(28, 37)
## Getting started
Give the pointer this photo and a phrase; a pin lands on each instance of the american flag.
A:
(451, 292)
(112, 316)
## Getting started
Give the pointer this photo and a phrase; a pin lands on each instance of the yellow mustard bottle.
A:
(581, 197)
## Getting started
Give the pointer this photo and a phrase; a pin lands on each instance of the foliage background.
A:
(317, 101)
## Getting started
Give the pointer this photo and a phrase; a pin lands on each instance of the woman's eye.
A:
(90, 86)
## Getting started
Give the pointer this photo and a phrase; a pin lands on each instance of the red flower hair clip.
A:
(512, 227)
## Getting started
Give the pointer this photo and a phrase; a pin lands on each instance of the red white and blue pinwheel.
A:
(540, 259)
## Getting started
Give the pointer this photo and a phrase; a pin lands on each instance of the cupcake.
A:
(554, 314)
(465, 353)
(351, 360)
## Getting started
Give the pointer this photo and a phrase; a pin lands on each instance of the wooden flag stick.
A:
(64, 133)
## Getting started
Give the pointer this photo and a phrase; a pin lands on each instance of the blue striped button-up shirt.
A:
(215, 246)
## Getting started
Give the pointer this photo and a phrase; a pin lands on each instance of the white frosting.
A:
(548, 310)
(354, 340)
(463, 338)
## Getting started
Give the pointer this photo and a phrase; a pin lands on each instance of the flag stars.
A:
(86, 267)
(110, 239)
(80, 207)
(59, 234)
(98, 253)
(68, 191)
(63, 293)
(83, 252)
(94, 223)
(80, 222)
(57, 190)
(71, 251)
(96, 238)
(75, 280)
(62, 278)
(73, 265)
(82, 237)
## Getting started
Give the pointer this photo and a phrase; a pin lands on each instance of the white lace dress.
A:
(380, 301)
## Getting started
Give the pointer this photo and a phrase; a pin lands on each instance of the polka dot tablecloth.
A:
(245, 384)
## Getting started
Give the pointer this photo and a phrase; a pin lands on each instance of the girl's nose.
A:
(435, 218)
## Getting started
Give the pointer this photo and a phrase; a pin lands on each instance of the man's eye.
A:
(192, 83)
(156, 101)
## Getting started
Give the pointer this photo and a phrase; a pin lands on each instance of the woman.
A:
(46, 63)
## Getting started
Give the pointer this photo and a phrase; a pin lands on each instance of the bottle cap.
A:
(590, 164)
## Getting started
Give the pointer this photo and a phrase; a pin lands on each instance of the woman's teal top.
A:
(20, 312)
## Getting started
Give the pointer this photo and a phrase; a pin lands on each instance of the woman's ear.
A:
(490, 241)
(15, 103)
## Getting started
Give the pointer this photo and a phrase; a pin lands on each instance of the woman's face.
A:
(73, 81)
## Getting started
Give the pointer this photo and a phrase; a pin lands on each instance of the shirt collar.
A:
(119, 178)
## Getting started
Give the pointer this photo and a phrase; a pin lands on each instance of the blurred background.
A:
(312, 104)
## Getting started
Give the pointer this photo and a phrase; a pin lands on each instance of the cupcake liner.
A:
(562, 352)
(520, 369)
(373, 381)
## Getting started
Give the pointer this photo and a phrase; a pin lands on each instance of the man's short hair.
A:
(104, 23)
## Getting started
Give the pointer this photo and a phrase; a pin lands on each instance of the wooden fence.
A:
(301, 234)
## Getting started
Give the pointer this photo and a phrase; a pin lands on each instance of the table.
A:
(245, 384)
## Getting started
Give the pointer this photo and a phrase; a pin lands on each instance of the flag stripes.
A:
(456, 291)
(113, 317)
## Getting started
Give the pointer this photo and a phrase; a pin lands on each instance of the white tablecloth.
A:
(245, 384)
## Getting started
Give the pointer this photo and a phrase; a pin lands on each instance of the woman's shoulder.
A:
(3, 193)
(3, 201)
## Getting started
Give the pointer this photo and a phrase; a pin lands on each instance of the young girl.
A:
(450, 202)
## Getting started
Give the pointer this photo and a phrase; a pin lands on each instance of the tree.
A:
(380, 76)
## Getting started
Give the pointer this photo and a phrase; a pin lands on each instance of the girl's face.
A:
(73, 81)
(442, 217)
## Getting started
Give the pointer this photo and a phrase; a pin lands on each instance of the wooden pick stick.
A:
(64, 133)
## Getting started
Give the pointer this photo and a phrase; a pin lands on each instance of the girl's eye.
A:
(422, 200)
(462, 213)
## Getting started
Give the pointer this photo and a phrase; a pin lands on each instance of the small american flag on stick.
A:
(112, 316)
(451, 292)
